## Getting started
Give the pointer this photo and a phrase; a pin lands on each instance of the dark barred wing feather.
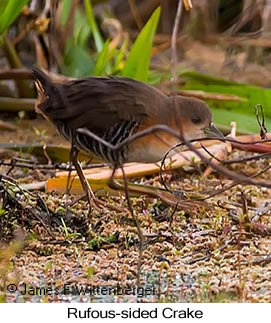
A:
(112, 108)
(99, 102)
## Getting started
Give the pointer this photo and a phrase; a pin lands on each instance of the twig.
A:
(139, 231)
(32, 166)
(257, 228)
(153, 129)
(237, 183)
(246, 159)
(135, 13)
(18, 203)
(16, 74)
(207, 257)
(6, 126)
(211, 96)
(226, 172)
(23, 86)
(174, 59)
(265, 260)
(15, 105)
(263, 130)
(145, 132)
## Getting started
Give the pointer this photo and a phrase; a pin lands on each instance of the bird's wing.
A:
(101, 102)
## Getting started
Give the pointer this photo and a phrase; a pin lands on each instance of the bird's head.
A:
(196, 119)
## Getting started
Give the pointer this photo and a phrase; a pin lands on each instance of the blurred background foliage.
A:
(228, 39)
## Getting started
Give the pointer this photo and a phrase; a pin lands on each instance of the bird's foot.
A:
(97, 204)
(105, 205)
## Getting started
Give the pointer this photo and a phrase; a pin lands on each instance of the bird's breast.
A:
(151, 148)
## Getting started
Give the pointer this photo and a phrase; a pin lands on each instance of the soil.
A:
(55, 253)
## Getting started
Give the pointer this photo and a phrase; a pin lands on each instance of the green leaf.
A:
(226, 111)
(120, 57)
(102, 60)
(245, 123)
(77, 62)
(103, 64)
(66, 7)
(138, 62)
(155, 77)
(3, 4)
(81, 30)
(91, 271)
(57, 153)
(93, 26)
(10, 10)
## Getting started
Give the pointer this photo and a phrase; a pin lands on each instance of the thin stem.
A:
(174, 43)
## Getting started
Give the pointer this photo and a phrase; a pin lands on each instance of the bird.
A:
(92, 111)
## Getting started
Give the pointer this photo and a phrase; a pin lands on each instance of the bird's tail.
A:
(43, 82)
(45, 89)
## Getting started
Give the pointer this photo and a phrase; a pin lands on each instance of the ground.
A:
(217, 253)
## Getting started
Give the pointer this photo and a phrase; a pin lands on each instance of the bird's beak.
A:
(212, 131)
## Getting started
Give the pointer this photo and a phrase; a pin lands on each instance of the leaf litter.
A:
(219, 254)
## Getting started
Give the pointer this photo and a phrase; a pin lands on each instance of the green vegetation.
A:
(107, 59)
(224, 112)
(87, 50)
(9, 11)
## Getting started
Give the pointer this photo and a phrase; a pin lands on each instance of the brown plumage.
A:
(114, 108)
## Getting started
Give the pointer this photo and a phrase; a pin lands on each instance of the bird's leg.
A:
(92, 200)
(69, 181)
(84, 182)
(113, 184)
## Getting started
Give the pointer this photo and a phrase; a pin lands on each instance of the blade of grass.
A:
(118, 65)
(99, 43)
(57, 153)
(77, 62)
(138, 62)
(66, 6)
(10, 11)
(102, 65)
(224, 112)
(11, 54)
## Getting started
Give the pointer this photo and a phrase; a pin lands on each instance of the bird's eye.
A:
(196, 120)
